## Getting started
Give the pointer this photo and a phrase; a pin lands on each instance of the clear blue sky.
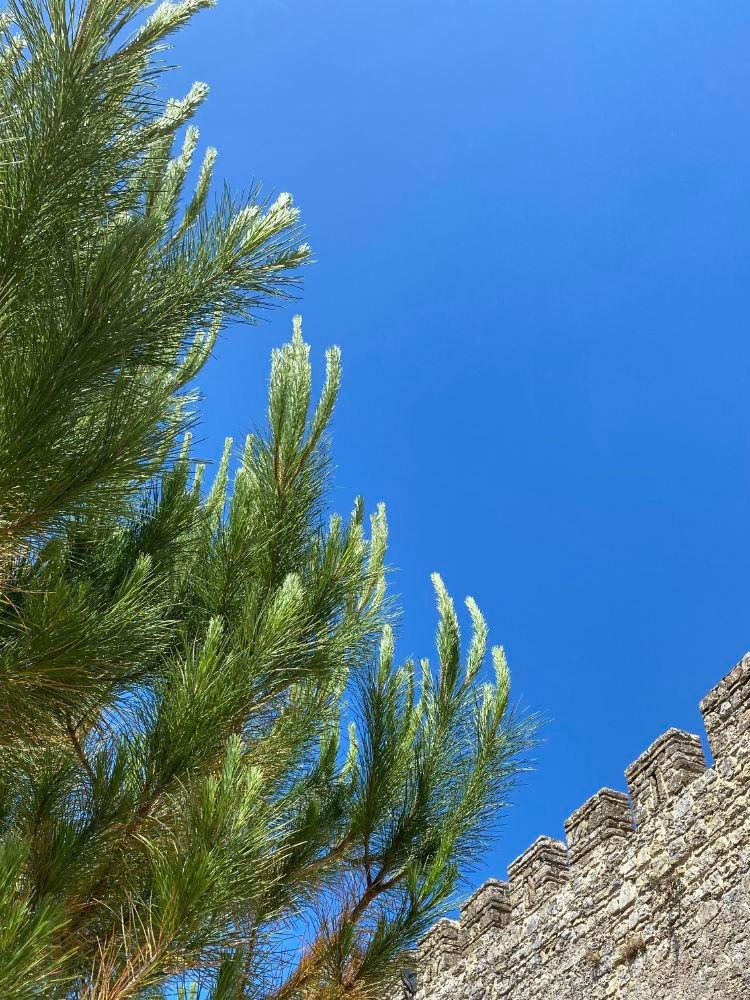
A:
(531, 221)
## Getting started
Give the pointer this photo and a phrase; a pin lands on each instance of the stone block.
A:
(661, 772)
(488, 907)
(726, 713)
(539, 872)
(604, 817)
(439, 949)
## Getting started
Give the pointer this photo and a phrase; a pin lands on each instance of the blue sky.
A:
(530, 221)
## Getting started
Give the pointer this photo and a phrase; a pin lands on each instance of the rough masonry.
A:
(648, 900)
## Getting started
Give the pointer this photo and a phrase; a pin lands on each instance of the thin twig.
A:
(79, 749)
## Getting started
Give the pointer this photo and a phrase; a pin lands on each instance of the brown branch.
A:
(78, 748)
(366, 860)
(276, 456)
(336, 852)
(310, 962)
(379, 885)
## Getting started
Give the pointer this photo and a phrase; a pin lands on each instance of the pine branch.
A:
(78, 749)
(209, 643)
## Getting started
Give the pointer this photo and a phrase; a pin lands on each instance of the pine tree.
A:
(217, 780)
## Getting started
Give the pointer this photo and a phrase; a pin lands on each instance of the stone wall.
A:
(648, 900)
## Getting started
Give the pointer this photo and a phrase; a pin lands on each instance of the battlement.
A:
(438, 950)
(669, 764)
(651, 892)
(539, 872)
(604, 816)
(726, 712)
(488, 907)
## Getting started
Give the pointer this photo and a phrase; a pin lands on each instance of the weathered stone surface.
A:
(651, 903)
(669, 764)
(488, 907)
(606, 815)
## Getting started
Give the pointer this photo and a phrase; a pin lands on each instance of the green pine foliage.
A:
(113, 286)
(217, 780)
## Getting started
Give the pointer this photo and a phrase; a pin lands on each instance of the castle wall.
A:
(649, 899)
